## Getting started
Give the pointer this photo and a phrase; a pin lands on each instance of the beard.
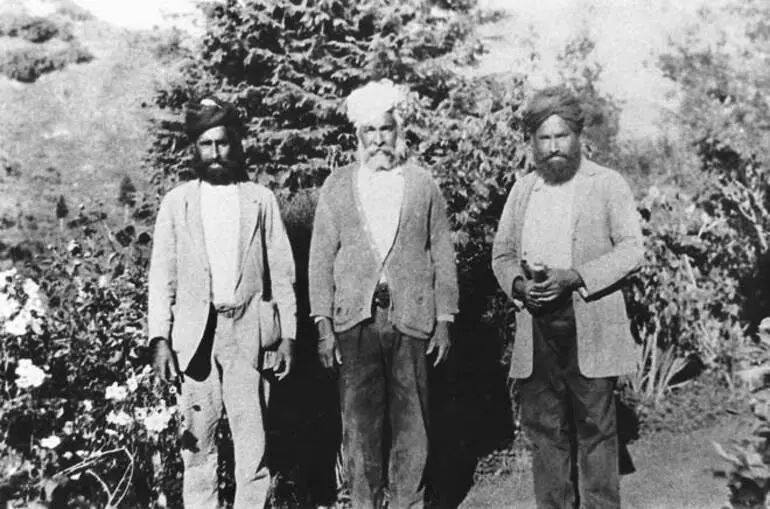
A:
(220, 173)
(558, 168)
(379, 158)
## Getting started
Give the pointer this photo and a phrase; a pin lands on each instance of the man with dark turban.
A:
(568, 237)
(220, 252)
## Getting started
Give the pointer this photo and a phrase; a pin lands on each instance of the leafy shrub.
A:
(28, 64)
(32, 28)
(288, 66)
(79, 408)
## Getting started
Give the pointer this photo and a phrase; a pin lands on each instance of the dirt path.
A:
(673, 471)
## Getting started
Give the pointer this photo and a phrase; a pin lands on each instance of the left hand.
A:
(441, 342)
(284, 358)
(559, 282)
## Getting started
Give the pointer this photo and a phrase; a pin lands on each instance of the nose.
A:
(553, 147)
(379, 138)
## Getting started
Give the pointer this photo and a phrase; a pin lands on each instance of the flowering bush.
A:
(80, 414)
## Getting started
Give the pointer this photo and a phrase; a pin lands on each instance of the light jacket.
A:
(607, 246)
(180, 276)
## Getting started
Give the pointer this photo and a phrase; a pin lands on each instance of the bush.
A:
(79, 410)
(28, 64)
(32, 28)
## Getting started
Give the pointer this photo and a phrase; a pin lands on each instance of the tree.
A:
(126, 197)
(288, 65)
(61, 211)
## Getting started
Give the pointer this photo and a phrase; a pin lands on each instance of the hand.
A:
(441, 342)
(559, 282)
(523, 289)
(284, 358)
(164, 362)
(329, 351)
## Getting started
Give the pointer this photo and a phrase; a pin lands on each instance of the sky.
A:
(629, 35)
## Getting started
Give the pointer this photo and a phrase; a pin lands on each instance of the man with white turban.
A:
(383, 290)
(568, 237)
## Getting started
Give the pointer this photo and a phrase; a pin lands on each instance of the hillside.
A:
(76, 132)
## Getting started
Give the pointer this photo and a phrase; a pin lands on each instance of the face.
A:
(377, 142)
(556, 149)
(215, 154)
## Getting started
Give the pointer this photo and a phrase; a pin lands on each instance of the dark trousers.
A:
(383, 386)
(570, 420)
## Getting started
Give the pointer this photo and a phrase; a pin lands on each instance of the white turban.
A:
(368, 103)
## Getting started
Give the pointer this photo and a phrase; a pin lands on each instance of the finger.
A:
(337, 355)
(431, 347)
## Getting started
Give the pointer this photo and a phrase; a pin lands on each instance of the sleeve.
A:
(162, 278)
(281, 264)
(324, 245)
(625, 232)
(506, 258)
(443, 255)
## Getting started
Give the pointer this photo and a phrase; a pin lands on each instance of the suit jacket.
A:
(180, 280)
(606, 247)
(345, 264)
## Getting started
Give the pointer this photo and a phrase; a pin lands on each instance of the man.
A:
(207, 274)
(568, 236)
(383, 289)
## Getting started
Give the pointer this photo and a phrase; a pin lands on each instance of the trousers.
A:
(384, 398)
(570, 420)
(225, 382)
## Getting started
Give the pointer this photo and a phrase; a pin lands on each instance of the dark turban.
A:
(553, 101)
(210, 112)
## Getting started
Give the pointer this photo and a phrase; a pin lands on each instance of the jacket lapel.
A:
(249, 223)
(583, 183)
(520, 214)
(195, 222)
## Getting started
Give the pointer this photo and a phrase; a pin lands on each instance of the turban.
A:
(553, 101)
(370, 102)
(210, 112)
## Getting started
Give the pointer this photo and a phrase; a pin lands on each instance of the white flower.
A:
(132, 384)
(116, 392)
(88, 405)
(8, 306)
(158, 419)
(120, 418)
(20, 324)
(51, 442)
(140, 414)
(29, 375)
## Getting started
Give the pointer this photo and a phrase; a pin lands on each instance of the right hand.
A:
(329, 351)
(164, 362)
(523, 288)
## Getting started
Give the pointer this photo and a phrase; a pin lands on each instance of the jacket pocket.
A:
(419, 312)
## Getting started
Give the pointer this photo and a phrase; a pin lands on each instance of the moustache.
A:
(220, 171)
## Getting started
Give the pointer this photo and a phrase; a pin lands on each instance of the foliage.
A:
(79, 411)
(27, 64)
(288, 65)
(749, 476)
(724, 117)
(32, 28)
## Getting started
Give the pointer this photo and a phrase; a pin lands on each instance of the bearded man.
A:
(208, 276)
(383, 289)
(568, 236)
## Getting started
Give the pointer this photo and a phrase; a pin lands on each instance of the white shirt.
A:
(220, 214)
(381, 193)
(547, 231)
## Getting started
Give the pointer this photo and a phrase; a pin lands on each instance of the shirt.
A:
(220, 215)
(381, 194)
(547, 231)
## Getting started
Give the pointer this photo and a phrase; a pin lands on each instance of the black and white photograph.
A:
(384, 254)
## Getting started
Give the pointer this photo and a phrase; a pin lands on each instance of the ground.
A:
(674, 470)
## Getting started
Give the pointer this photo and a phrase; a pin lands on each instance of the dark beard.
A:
(557, 170)
(227, 172)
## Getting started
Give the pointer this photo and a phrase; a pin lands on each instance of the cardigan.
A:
(345, 264)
